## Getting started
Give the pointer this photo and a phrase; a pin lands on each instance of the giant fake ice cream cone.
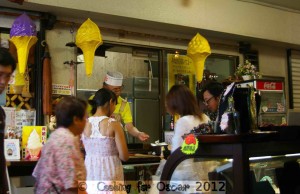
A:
(198, 50)
(88, 39)
(23, 36)
(34, 145)
(19, 78)
(19, 82)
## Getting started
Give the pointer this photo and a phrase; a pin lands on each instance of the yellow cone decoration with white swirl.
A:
(198, 50)
(23, 36)
(88, 39)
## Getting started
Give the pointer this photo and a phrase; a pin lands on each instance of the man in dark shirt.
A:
(210, 95)
(7, 67)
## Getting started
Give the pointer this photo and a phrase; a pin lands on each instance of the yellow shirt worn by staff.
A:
(123, 109)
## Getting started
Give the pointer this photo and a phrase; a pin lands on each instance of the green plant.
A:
(246, 69)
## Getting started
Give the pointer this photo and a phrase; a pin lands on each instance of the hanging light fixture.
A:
(176, 54)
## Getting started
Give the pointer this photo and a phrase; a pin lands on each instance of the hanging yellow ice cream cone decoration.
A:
(19, 78)
(23, 36)
(88, 39)
(88, 54)
(198, 50)
(23, 45)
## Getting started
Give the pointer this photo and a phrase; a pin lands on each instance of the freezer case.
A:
(146, 106)
(272, 109)
(142, 93)
(146, 114)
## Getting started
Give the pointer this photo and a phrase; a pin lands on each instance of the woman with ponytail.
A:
(104, 142)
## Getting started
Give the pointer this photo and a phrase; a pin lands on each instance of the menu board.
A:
(15, 120)
(25, 118)
(181, 71)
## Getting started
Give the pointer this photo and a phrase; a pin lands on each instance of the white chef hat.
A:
(114, 78)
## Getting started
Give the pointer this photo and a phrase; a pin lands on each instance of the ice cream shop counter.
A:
(248, 163)
(261, 162)
(25, 167)
(139, 167)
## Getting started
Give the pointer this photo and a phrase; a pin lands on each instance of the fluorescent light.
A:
(260, 158)
(290, 155)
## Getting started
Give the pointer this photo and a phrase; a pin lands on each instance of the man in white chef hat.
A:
(114, 81)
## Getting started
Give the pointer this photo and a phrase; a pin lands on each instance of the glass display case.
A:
(272, 169)
(262, 162)
(218, 172)
(139, 174)
(272, 110)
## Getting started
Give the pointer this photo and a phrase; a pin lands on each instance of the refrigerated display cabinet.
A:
(272, 110)
(262, 162)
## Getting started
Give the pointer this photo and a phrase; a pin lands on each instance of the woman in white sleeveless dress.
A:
(105, 146)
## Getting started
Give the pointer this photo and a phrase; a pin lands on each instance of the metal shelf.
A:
(265, 113)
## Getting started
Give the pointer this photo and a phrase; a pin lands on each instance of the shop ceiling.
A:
(154, 27)
(290, 5)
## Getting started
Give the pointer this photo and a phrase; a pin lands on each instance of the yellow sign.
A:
(181, 71)
(33, 138)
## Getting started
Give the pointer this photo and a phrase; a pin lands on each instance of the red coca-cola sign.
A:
(269, 85)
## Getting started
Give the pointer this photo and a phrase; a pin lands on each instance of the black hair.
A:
(6, 59)
(68, 108)
(101, 97)
(213, 87)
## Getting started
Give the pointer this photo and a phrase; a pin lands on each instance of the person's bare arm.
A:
(88, 129)
(132, 130)
(120, 141)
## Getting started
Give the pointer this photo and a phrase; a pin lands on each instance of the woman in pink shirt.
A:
(61, 165)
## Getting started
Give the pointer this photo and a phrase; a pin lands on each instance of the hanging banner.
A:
(181, 71)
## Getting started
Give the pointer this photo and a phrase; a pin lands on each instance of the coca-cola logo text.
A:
(270, 85)
(267, 85)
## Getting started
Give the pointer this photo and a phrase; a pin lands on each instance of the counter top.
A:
(232, 138)
(283, 133)
(141, 159)
(25, 167)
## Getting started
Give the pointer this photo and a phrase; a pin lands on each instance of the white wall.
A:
(60, 53)
(227, 16)
(272, 60)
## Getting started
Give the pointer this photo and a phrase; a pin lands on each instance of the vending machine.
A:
(272, 110)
